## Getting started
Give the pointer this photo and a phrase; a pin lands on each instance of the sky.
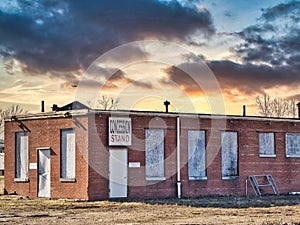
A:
(203, 56)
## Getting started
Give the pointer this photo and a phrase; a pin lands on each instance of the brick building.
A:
(88, 154)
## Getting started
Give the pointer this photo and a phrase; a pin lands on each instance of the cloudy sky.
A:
(146, 51)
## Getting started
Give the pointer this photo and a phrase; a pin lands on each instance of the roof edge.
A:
(82, 112)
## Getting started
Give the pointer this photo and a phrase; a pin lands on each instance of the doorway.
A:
(44, 173)
(118, 173)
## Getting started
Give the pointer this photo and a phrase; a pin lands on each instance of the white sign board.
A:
(134, 164)
(33, 166)
(119, 131)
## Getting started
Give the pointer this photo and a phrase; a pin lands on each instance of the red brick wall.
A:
(286, 171)
(46, 133)
(92, 158)
(138, 187)
(98, 187)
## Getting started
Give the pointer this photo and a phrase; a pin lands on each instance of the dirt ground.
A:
(267, 210)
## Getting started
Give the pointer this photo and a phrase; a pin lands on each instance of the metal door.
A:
(118, 173)
(44, 173)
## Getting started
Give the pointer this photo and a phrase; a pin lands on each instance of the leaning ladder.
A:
(257, 186)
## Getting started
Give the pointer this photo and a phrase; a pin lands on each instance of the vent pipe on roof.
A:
(244, 110)
(42, 106)
(54, 107)
(167, 103)
(298, 105)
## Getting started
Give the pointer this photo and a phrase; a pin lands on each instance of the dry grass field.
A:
(267, 210)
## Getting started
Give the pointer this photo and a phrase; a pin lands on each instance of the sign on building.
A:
(119, 131)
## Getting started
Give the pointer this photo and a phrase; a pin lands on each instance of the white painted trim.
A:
(155, 178)
(198, 178)
(230, 178)
(267, 156)
(21, 180)
(43, 148)
(293, 156)
(67, 180)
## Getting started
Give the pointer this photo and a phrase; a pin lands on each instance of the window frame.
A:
(259, 146)
(286, 145)
(236, 175)
(18, 144)
(65, 178)
(148, 176)
(204, 176)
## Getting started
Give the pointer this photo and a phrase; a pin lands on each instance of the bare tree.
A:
(12, 110)
(277, 107)
(264, 105)
(292, 108)
(107, 103)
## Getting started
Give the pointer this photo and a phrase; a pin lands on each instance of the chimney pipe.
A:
(244, 110)
(54, 107)
(167, 103)
(298, 105)
(43, 106)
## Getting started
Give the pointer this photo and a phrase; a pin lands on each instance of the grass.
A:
(206, 210)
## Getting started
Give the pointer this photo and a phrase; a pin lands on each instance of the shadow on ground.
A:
(226, 201)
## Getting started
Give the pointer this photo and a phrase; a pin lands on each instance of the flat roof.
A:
(83, 112)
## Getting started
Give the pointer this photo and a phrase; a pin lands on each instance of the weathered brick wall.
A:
(46, 133)
(98, 187)
(138, 187)
(92, 156)
(286, 171)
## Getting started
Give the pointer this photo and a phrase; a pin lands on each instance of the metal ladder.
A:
(256, 186)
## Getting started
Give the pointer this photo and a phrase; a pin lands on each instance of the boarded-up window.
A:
(154, 153)
(293, 144)
(229, 154)
(197, 155)
(266, 144)
(68, 153)
(21, 172)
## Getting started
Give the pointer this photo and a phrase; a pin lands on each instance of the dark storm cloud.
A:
(270, 51)
(248, 79)
(120, 76)
(110, 77)
(65, 36)
(275, 38)
(178, 78)
(282, 10)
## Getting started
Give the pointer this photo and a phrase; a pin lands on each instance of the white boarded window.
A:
(266, 145)
(196, 154)
(68, 154)
(229, 154)
(154, 139)
(293, 144)
(21, 173)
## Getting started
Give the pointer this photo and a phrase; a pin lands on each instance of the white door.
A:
(118, 173)
(44, 173)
